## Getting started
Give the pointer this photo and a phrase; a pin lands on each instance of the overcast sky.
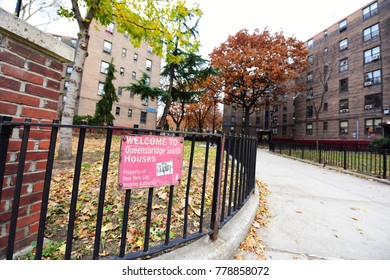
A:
(221, 18)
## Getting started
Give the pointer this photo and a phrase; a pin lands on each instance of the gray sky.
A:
(221, 18)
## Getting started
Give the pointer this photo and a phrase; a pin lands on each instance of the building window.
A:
(129, 113)
(309, 111)
(124, 52)
(326, 51)
(343, 65)
(101, 88)
(284, 118)
(284, 130)
(144, 101)
(325, 33)
(110, 28)
(107, 47)
(309, 95)
(104, 67)
(370, 11)
(135, 57)
(274, 131)
(343, 25)
(233, 110)
(372, 54)
(343, 127)
(233, 119)
(134, 75)
(147, 81)
(143, 117)
(117, 111)
(276, 108)
(69, 70)
(326, 106)
(371, 32)
(58, 38)
(310, 44)
(148, 65)
(257, 120)
(309, 129)
(372, 126)
(372, 78)
(343, 85)
(373, 101)
(284, 106)
(343, 44)
(122, 71)
(344, 108)
(73, 43)
(66, 84)
(120, 90)
(325, 126)
(150, 49)
(310, 76)
(310, 58)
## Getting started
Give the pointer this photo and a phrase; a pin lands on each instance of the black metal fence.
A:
(358, 158)
(84, 215)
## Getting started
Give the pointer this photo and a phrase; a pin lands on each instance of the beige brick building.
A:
(354, 57)
(106, 44)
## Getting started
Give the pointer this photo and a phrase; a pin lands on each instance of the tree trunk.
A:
(65, 146)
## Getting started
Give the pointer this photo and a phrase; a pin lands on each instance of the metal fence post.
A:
(217, 188)
(5, 133)
(345, 157)
(384, 163)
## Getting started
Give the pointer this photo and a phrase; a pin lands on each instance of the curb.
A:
(229, 238)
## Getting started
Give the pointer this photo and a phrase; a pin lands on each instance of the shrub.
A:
(378, 144)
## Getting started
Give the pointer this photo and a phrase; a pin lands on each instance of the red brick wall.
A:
(29, 88)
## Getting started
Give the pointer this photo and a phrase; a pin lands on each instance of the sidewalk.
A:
(318, 213)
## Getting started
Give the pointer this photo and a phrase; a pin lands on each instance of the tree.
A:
(255, 68)
(200, 115)
(157, 22)
(103, 115)
(39, 12)
(322, 67)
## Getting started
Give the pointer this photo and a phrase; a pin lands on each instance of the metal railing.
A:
(216, 183)
(357, 158)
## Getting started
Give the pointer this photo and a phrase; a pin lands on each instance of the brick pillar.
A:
(30, 76)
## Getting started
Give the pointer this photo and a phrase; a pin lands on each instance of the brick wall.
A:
(30, 77)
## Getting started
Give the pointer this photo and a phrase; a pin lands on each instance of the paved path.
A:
(321, 213)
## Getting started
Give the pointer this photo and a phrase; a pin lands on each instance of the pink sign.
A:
(150, 161)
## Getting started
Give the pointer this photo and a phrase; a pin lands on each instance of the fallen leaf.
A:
(298, 211)
(354, 218)
(354, 208)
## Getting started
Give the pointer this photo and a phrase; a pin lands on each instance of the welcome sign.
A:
(150, 161)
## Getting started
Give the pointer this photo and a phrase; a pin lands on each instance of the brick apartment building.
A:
(105, 44)
(354, 57)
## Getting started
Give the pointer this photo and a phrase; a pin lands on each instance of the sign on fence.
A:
(150, 161)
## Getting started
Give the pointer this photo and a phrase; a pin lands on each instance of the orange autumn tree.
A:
(254, 69)
(200, 114)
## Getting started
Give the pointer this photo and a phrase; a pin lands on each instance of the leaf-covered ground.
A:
(252, 246)
(88, 197)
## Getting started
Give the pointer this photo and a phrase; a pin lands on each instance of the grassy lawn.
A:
(361, 162)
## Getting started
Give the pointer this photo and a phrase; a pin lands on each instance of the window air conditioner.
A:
(367, 83)
(344, 111)
(368, 107)
(375, 57)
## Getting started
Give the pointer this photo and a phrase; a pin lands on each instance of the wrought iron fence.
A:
(358, 158)
(83, 211)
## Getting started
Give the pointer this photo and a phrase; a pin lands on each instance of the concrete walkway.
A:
(318, 213)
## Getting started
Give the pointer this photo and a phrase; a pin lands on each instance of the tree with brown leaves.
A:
(256, 68)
